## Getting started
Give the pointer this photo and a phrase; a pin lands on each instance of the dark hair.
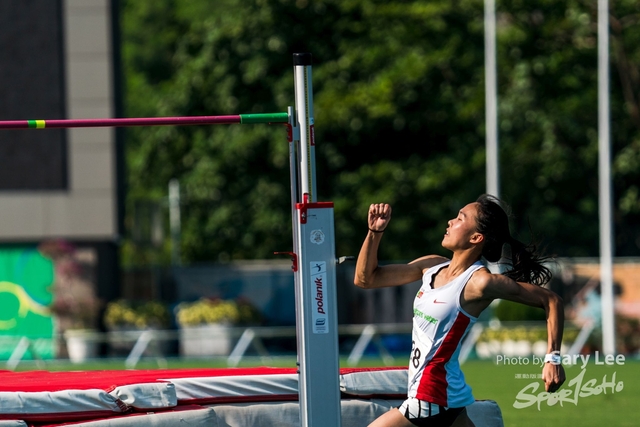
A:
(493, 223)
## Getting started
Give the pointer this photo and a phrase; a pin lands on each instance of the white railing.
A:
(148, 343)
(247, 337)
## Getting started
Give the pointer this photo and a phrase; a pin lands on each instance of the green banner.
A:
(26, 278)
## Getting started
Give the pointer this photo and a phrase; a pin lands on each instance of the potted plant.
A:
(126, 320)
(206, 325)
(132, 315)
(75, 304)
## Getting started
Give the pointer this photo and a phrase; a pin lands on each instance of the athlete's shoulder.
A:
(428, 261)
(481, 280)
(485, 284)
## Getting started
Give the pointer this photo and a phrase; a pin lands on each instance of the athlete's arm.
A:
(369, 274)
(497, 286)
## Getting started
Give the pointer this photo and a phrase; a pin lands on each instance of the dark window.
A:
(32, 87)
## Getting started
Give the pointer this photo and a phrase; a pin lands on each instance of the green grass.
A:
(489, 380)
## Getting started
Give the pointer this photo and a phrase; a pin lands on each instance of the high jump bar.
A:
(146, 121)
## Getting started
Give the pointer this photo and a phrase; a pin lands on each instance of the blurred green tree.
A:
(399, 107)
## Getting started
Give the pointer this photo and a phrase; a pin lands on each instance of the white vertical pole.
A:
(491, 99)
(604, 180)
(174, 220)
(304, 115)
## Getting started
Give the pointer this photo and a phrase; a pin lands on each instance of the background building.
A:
(61, 188)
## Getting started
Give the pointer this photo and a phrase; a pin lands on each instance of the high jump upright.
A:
(314, 264)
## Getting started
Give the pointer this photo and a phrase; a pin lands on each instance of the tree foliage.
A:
(399, 109)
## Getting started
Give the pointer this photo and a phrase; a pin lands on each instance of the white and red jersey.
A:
(439, 326)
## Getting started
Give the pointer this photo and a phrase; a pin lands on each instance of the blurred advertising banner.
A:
(26, 279)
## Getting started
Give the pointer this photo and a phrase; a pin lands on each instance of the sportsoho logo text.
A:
(574, 389)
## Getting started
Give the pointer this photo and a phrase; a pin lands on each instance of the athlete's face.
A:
(461, 232)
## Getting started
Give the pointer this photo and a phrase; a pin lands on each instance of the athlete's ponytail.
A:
(493, 223)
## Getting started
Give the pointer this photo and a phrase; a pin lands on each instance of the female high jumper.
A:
(453, 294)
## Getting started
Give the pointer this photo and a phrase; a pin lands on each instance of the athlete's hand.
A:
(379, 216)
(553, 377)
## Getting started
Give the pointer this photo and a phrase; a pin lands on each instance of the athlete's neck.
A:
(460, 262)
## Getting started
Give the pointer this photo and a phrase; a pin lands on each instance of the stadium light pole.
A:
(604, 182)
(491, 99)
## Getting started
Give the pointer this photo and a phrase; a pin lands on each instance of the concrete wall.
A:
(85, 208)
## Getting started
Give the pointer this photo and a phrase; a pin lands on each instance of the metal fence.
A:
(485, 340)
